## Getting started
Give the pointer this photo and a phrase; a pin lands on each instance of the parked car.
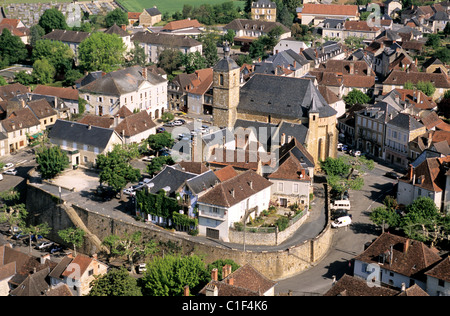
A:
(54, 249)
(181, 121)
(12, 172)
(8, 165)
(128, 191)
(19, 235)
(160, 129)
(339, 146)
(141, 268)
(335, 214)
(344, 148)
(356, 153)
(176, 123)
(341, 222)
(392, 175)
(148, 158)
(169, 124)
(44, 245)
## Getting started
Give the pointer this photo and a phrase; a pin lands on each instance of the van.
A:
(341, 222)
(341, 204)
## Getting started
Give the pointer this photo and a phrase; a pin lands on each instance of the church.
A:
(289, 107)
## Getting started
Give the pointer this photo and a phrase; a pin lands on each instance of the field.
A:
(170, 6)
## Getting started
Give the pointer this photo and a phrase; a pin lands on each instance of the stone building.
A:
(265, 10)
(149, 17)
(274, 100)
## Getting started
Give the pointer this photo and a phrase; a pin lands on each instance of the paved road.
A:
(347, 242)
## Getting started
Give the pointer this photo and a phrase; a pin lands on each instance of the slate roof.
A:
(287, 97)
(153, 11)
(115, 29)
(225, 64)
(67, 36)
(163, 39)
(81, 133)
(170, 177)
(202, 182)
(235, 190)
(121, 81)
(405, 121)
(409, 257)
(260, 25)
(286, 60)
(441, 271)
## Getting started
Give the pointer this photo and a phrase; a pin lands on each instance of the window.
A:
(295, 188)
(280, 186)
(221, 79)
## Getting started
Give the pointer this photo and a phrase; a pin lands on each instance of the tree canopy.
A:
(51, 161)
(116, 16)
(117, 282)
(52, 19)
(356, 97)
(101, 51)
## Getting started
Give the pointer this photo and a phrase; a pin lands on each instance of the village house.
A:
(426, 177)
(187, 27)
(135, 127)
(72, 38)
(289, 43)
(285, 63)
(395, 261)
(230, 202)
(149, 17)
(44, 112)
(360, 29)
(314, 13)
(17, 28)
(245, 281)
(438, 282)
(249, 30)
(133, 18)
(121, 31)
(82, 142)
(77, 273)
(134, 87)
(398, 78)
(327, 51)
(68, 96)
(155, 43)
(265, 10)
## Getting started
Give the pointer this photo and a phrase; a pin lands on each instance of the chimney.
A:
(352, 68)
(403, 287)
(124, 27)
(211, 290)
(406, 245)
(230, 281)
(95, 257)
(418, 93)
(186, 290)
(144, 72)
(214, 274)
(225, 271)
(45, 258)
(411, 172)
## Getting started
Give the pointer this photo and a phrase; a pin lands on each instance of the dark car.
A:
(392, 175)
(160, 130)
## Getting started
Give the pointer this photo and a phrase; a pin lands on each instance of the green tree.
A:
(52, 19)
(286, 18)
(43, 71)
(71, 76)
(447, 30)
(210, 49)
(136, 56)
(117, 282)
(345, 172)
(36, 33)
(51, 161)
(12, 48)
(115, 169)
(443, 54)
(386, 214)
(133, 247)
(229, 36)
(170, 60)
(433, 40)
(116, 16)
(58, 54)
(219, 264)
(193, 62)
(160, 141)
(157, 163)
(37, 230)
(424, 222)
(74, 236)
(169, 275)
(167, 117)
(3, 81)
(356, 97)
(426, 87)
(244, 59)
(101, 51)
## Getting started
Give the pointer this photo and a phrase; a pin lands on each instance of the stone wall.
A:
(44, 207)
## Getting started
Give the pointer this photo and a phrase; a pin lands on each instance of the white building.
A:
(230, 202)
(134, 87)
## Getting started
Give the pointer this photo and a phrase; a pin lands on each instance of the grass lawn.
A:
(168, 6)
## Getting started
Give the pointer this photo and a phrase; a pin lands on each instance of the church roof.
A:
(288, 97)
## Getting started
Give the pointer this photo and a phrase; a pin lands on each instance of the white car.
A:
(142, 267)
(12, 172)
(342, 222)
(148, 159)
(129, 191)
(8, 165)
(357, 153)
(44, 244)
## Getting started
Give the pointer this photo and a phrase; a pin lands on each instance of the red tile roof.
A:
(181, 24)
(330, 9)
(63, 93)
